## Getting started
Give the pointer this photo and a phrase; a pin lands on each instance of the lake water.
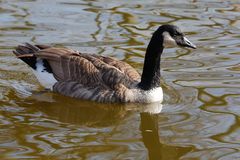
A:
(198, 120)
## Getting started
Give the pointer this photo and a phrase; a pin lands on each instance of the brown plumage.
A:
(84, 76)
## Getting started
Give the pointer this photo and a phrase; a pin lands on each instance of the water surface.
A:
(199, 118)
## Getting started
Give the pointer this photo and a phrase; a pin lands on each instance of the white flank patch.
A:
(46, 79)
(168, 41)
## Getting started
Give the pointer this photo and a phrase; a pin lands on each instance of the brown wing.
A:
(70, 65)
(122, 66)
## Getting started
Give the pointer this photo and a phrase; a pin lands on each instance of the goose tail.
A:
(41, 67)
(26, 54)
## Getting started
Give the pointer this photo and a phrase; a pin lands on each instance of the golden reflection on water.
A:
(199, 118)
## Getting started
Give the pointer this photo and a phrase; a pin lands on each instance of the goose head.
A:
(172, 36)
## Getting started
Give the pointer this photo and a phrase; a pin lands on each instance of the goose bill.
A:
(187, 43)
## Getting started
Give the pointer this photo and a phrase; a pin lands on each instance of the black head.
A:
(173, 36)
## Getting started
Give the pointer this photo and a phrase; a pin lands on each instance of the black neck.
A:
(151, 69)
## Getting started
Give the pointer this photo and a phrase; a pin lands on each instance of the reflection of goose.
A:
(100, 78)
(86, 113)
(156, 149)
(99, 116)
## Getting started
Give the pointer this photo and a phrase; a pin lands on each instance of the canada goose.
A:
(99, 78)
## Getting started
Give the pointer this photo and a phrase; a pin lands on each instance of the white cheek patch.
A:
(168, 41)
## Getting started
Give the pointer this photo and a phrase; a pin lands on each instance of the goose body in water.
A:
(99, 78)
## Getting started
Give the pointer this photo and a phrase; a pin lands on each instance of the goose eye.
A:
(175, 35)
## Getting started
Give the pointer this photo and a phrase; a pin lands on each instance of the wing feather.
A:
(70, 65)
(122, 66)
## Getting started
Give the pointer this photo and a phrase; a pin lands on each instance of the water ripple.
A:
(199, 118)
